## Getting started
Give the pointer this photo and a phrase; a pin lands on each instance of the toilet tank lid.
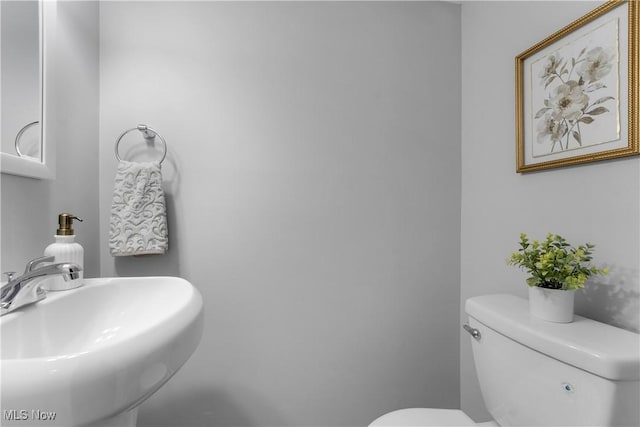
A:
(587, 344)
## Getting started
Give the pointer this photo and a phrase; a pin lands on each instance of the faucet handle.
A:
(9, 275)
(35, 262)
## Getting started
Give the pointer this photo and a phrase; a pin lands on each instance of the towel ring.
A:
(148, 134)
(19, 135)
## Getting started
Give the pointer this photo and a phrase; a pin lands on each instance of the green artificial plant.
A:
(554, 263)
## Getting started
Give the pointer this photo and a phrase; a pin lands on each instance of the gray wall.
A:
(30, 207)
(598, 203)
(313, 183)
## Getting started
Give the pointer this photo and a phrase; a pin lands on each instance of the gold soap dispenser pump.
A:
(65, 249)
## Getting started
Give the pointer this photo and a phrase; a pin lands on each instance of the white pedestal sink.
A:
(91, 355)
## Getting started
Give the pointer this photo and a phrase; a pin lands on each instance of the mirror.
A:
(26, 31)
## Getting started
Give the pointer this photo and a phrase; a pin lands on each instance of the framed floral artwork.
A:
(577, 91)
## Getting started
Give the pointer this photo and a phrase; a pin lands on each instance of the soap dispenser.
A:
(65, 249)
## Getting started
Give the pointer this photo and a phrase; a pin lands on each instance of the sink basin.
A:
(91, 355)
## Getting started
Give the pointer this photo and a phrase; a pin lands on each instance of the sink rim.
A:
(193, 297)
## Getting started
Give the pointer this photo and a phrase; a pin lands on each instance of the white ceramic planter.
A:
(553, 305)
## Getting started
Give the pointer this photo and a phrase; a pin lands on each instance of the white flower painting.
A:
(575, 93)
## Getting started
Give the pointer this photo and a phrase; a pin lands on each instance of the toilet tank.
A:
(538, 373)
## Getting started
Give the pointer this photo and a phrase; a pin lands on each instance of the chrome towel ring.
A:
(148, 134)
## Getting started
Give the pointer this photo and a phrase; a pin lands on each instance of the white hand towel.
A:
(138, 224)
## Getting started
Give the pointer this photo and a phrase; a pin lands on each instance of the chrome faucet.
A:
(25, 289)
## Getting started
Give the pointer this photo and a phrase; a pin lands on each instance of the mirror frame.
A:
(45, 169)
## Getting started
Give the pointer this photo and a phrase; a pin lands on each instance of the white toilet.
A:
(537, 373)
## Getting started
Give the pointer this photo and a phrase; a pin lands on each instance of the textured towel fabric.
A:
(138, 224)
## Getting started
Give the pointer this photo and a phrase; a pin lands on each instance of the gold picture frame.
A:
(576, 90)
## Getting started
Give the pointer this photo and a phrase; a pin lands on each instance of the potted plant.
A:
(556, 269)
